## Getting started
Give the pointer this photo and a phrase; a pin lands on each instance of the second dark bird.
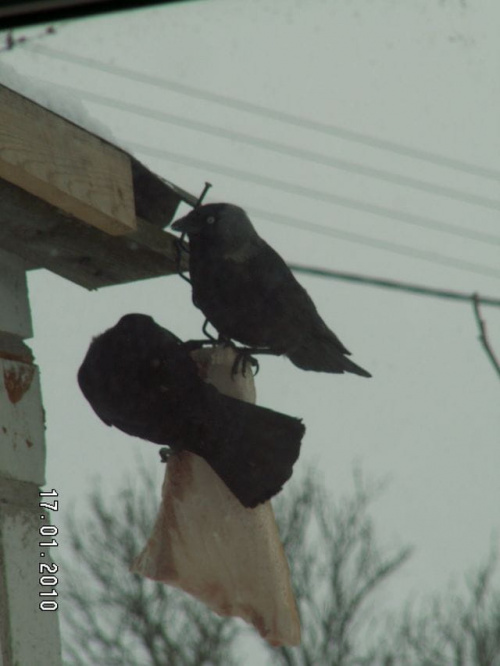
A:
(248, 293)
(140, 378)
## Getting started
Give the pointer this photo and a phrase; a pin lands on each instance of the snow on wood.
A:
(55, 98)
(65, 165)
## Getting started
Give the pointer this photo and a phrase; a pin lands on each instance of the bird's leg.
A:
(243, 357)
(204, 330)
(241, 354)
(246, 354)
(209, 341)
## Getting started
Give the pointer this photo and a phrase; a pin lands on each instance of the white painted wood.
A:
(22, 429)
(15, 316)
(27, 634)
(34, 635)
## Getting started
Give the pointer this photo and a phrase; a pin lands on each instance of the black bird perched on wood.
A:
(248, 293)
(140, 378)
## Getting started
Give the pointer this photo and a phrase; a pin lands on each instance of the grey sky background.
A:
(422, 75)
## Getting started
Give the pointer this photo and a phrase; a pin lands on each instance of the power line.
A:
(396, 248)
(294, 189)
(266, 112)
(316, 194)
(394, 284)
(291, 151)
(483, 336)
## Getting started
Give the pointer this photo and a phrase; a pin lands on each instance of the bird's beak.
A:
(191, 223)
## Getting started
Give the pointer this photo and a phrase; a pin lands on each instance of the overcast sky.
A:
(385, 77)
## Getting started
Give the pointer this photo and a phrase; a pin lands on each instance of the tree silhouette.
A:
(336, 566)
(115, 617)
(455, 629)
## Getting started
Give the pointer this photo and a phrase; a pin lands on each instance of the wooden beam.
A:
(50, 238)
(65, 165)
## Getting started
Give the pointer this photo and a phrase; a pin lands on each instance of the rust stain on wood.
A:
(17, 380)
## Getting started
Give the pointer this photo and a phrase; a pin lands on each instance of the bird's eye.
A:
(210, 219)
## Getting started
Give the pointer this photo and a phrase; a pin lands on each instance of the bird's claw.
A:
(243, 355)
(244, 358)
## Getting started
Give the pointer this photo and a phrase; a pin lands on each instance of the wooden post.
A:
(28, 635)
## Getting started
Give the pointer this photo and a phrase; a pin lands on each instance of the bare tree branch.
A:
(115, 617)
(336, 565)
(483, 334)
(457, 630)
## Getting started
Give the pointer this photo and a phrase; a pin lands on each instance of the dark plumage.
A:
(249, 294)
(140, 378)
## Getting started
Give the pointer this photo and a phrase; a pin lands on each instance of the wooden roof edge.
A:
(153, 198)
(48, 237)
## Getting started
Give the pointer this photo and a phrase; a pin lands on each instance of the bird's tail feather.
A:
(251, 448)
(323, 356)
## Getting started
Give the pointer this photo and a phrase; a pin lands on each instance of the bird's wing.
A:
(274, 281)
(288, 298)
(257, 298)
